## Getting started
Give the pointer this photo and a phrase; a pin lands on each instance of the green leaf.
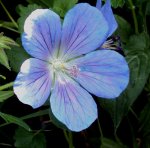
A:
(117, 3)
(148, 8)
(108, 143)
(139, 61)
(25, 139)
(59, 6)
(147, 86)
(24, 12)
(5, 43)
(16, 56)
(3, 77)
(32, 115)
(12, 119)
(6, 24)
(144, 123)
(4, 59)
(144, 120)
(124, 28)
(43, 3)
(137, 44)
(62, 6)
(36, 114)
(5, 95)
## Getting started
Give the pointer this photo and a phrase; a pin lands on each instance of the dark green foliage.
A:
(17, 55)
(12, 119)
(117, 3)
(24, 12)
(61, 7)
(5, 95)
(108, 143)
(124, 28)
(137, 53)
(25, 139)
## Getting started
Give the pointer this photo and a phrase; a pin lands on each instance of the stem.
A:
(66, 136)
(69, 138)
(33, 115)
(117, 138)
(134, 16)
(37, 132)
(132, 134)
(6, 144)
(6, 86)
(10, 29)
(100, 129)
(143, 18)
(3, 77)
(10, 17)
(132, 111)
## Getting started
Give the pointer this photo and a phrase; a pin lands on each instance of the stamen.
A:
(113, 43)
(62, 67)
(74, 71)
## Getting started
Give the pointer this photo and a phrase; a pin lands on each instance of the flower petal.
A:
(109, 16)
(104, 73)
(84, 30)
(99, 4)
(72, 105)
(33, 83)
(42, 32)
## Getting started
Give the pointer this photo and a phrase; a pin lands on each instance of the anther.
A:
(74, 71)
(113, 43)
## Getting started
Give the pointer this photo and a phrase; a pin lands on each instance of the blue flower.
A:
(66, 67)
(108, 14)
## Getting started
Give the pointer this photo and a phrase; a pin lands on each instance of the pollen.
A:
(58, 65)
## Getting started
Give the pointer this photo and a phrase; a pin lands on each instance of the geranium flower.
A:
(66, 66)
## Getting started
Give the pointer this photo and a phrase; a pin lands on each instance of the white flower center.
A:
(58, 65)
(61, 66)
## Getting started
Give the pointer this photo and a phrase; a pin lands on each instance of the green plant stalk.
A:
(134, 114)
(68, 137)
(100, 129)
(70, 140)
(117, 138)
(135, 145)
(5, 145)
(11, 29)
(10, 17)
(143, 18)
(134, 16)
(33, 115)
(3, 77)
(8, 85)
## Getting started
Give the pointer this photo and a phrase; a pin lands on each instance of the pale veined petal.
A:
(33, 83)
(72, 105)
(84, 30)
(42, 33)
(99, 4)
(104, 73)
(109, 16)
